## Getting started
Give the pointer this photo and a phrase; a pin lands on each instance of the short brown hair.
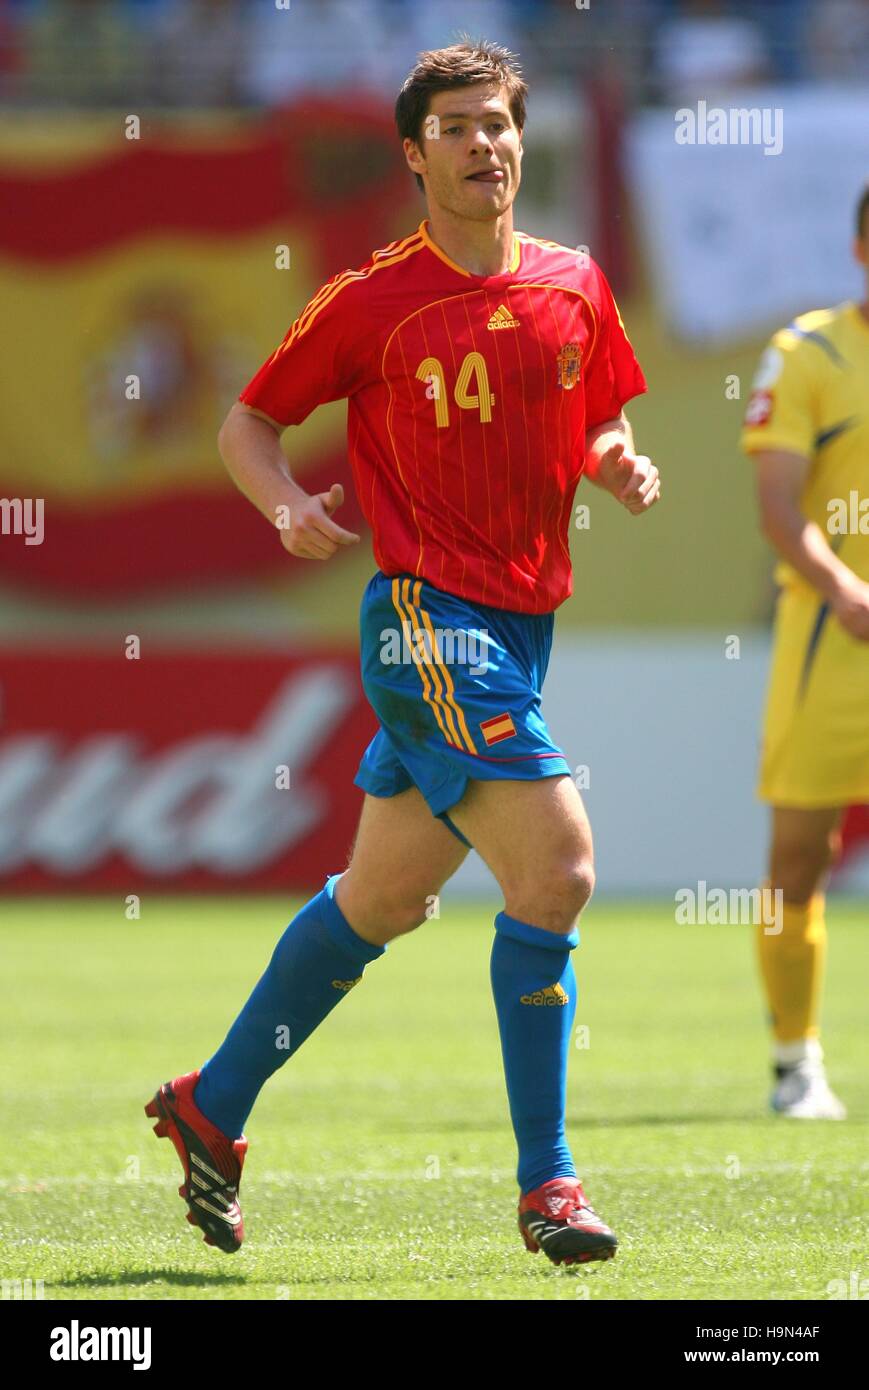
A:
(862, 210)
(461, 65)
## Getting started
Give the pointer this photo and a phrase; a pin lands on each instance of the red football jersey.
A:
(469, 399)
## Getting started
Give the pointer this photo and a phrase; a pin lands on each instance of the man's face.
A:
(470, 152)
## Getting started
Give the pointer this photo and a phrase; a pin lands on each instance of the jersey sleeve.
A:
(325, 356)
(781, 411)
(613, 375)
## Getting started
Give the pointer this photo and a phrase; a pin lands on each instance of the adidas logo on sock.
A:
(552, 994)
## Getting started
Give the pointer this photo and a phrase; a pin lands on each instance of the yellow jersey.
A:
(810, 396)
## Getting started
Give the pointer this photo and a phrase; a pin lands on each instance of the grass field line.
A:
(301, 1177)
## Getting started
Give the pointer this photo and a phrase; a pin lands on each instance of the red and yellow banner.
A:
(141, 293)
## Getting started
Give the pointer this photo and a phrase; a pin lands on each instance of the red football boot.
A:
(557, 1219)
(212, 1162)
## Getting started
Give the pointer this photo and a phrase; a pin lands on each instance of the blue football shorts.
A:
(457, 687)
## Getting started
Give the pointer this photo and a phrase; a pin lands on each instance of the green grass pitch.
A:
(381, 1162)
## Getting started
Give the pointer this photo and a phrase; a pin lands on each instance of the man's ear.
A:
(411, 148)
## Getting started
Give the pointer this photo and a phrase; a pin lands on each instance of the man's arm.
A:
(610, 463)
(781, 477)
(249, 444)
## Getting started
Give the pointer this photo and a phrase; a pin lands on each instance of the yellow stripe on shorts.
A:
(432, 700)
(444, 669)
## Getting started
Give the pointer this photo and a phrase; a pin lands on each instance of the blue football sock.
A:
(316, 962)
(535, 999)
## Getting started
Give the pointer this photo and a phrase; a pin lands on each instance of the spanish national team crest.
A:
(569, 362)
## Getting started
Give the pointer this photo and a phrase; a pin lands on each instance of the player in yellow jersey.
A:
(807, 428)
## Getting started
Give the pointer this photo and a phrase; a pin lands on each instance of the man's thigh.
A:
(401, 858)
(535, 837)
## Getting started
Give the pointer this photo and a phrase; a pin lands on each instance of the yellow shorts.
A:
(815, 749)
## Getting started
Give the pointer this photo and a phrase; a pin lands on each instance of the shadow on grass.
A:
(183, 1278)
(697, 1118)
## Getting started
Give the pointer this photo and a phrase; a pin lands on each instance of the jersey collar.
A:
(442, 256)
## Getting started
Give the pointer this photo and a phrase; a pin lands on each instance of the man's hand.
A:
(632, 479)
(312, 535)
(851, 606)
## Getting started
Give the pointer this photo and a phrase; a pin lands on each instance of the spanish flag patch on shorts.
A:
(496, 729)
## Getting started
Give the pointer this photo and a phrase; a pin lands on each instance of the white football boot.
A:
(802, 1091)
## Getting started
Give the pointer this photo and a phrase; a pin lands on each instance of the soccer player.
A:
(486, 371)
(807, 428)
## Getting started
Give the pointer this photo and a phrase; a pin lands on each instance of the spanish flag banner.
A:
(145, 273)
(496, 729)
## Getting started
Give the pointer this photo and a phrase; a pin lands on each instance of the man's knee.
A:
(799, 865)
(552, 898)
(406, 914)
(382, 914)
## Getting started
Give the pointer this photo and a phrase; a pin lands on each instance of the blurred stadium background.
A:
(129, 769)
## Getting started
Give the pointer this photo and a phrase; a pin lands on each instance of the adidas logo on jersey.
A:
(552, 994)
(502, 318)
